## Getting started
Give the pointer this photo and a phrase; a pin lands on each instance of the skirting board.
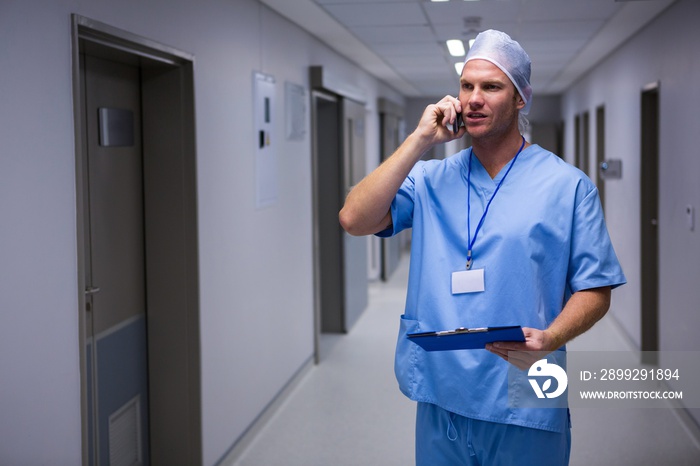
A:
(245, 440)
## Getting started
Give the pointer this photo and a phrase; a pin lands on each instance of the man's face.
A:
(490, 103)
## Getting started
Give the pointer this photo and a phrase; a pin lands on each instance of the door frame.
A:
(586, 143)
(354, 249)
(332, 87)
(172, 270)
(600, 152)
(577, 141)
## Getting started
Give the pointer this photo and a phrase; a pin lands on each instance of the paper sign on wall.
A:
(295, 105)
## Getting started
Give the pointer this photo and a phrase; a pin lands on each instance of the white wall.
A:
(665, 51)
(255, 265)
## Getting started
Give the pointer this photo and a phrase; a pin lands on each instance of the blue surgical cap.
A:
(498, 48)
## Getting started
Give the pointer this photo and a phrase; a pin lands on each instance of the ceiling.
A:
(402, 42)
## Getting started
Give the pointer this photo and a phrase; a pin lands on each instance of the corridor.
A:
(348, 410)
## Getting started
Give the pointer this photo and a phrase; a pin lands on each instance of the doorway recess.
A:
(166, 85)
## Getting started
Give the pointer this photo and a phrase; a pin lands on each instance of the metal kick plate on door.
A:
(116, 127)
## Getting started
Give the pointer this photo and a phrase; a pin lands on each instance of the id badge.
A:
(468, 281)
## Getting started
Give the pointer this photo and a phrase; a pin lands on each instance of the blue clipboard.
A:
(466, 338)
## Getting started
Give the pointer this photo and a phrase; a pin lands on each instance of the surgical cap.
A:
(498, 48)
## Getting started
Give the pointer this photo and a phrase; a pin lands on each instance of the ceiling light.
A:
(458, 67)
(471, 42)
(456, 47)
(439, 0)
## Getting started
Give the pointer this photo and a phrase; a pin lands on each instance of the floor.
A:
(348, 410)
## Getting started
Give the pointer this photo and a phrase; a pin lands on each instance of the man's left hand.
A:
(524, 354)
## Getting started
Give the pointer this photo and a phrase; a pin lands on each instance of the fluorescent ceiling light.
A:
(456, 47)
(471, 42)
(458, 67)
(439, 0)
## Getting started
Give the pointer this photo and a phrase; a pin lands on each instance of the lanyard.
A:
(471, 240)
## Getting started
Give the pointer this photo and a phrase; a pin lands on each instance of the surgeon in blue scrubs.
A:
(504, 233)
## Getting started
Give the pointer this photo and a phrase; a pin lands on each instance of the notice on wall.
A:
(295, 105)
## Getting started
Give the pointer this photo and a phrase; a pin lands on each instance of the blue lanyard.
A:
(469, 204)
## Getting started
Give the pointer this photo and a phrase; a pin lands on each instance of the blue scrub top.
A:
(544, 238)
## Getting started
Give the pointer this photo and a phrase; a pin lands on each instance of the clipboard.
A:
(466, 338)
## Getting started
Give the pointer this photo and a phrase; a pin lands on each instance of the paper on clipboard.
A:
(466, 338)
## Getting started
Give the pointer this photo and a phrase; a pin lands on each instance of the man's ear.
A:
(519, 102)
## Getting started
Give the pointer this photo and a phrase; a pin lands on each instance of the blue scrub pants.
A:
(445, 439)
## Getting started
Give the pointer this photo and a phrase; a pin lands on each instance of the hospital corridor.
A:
(346, 411)
(283, 232)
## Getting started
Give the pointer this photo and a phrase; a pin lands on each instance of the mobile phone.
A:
(457, 123)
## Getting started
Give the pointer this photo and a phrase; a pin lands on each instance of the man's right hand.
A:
(367, 207)
(435, 126)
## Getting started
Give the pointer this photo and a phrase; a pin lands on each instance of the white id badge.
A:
(468, 281)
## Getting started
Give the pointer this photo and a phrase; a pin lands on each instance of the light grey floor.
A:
(348, 410)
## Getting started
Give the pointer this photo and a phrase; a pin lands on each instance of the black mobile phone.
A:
(457, 123)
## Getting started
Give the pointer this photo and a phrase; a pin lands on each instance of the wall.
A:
(413, 112)
(665, 51)
(255, 264)
(545, 122)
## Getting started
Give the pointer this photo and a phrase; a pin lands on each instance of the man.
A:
(504, 233)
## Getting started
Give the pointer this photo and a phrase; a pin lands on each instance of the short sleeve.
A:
(403, 203)
(593, 262)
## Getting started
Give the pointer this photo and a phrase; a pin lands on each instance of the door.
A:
(340, 260)
(138, 273)
(649, 214)
(355, 249)
(391, 247)
(115, 304)
(328, 198)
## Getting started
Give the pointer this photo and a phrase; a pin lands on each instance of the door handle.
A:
(92, 290)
